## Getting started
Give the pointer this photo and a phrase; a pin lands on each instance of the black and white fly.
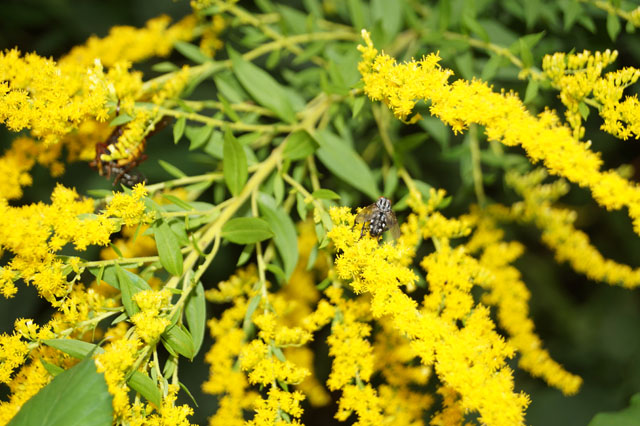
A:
(380, 218)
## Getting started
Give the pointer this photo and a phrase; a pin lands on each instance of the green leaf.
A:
(191, 51)
(584, 110)
(627, 417)
(286, 237)
(146, 387)
(178, 129)
(246, 230)
(127, 290)
(244, 257)
(262, 87)
(325, 194)
(299, 145)
(171, 169)
(613, 26)
(532, 91)
(110, 276)
(357, 14)
(195, 312)
(234, 163)
(342, 161)
(165, 66)
(177, 201)
(198, 136)
(301, 206)
(278, 188)
(76, 397)
(251, 308)
(178, 339)
(277, 271)
(389, 13)
(358, 103)
(120, 120)
(76, 348)
(168, 248)
(52, 369)
(491, 67)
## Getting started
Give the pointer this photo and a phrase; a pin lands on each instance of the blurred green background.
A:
(589, 327)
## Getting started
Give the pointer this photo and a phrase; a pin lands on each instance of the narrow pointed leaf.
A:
(234, 163)
(262, 87)
(168, 248)
(286, 237)
(146, 387)
(196, 315)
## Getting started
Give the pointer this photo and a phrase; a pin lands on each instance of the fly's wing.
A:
(365, 214)
(392, 223)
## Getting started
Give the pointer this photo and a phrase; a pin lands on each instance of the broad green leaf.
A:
(168, 248)
(325, 194)
(584, 110)
(178, 339)
(191, 51)
(171, 169)
(343, 161)
(76, 397)
(234, 163)
(146, 387)
(178, 129)
(627, 417)
(76, 348)
(246, 230)
(299, 145)
(262, 87)
(613, 25)
(195, 312)
(286, 238)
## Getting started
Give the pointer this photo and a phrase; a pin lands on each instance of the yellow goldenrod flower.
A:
(504, 117)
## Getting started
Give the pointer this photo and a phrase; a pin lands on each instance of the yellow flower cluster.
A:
(37, 94)
(503, 116)
(132, 44)
(149, 323)
(116, 362)
(558, 232)
(507, 291)
(130, 207)
(14, 351)
(579, 75)
(468, 358)
(19, 159)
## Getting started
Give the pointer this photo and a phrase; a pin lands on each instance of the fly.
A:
(380, 218)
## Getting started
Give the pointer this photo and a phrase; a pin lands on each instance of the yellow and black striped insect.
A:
(119, 158)
(380, 218)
